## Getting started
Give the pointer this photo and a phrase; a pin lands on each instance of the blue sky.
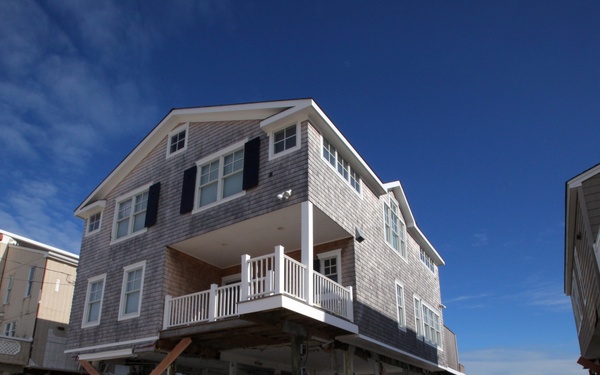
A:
(482, 109)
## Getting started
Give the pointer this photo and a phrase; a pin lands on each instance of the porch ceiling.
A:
(258, 236)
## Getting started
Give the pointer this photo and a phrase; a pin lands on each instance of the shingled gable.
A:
(411, 225)
(272, 114)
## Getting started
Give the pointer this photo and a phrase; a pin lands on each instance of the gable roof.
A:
(411, 224)
(271, 114)
(52, 252)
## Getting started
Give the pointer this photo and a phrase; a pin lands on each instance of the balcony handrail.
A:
(265, 275)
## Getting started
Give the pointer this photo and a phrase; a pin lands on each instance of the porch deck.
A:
(262, 277)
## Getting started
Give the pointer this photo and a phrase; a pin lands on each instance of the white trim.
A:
(337, 172)
(178, 129)
(372, 344)
(91, 280)
(397, 284)
(130, 195)
(145, 339)
(292, 304)
(328, 255)
(133, 267)
(44, 247)
(111, 354)
(271, 135)
(580, 178)
(87, 224)
(91, 209)
(218, 155)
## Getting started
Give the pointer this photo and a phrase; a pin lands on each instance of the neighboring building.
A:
(36, 290)
(582, 261)
(253, 238)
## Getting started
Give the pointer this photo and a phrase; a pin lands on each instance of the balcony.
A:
(269, 282)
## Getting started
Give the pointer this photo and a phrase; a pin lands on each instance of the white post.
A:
(233, 368)
(212, 303)
(245, 278)
(307, 248)
(279, 286)
(350, 306)
(167, 312)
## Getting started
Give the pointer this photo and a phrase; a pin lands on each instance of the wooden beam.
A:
(587, 364)
(171, 357)
(89, 368)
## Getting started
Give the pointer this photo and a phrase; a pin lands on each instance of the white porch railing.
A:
(264, 276)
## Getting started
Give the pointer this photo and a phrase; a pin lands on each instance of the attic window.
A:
(341, 165)
(93, 223)
(284, 141)
(177, 140)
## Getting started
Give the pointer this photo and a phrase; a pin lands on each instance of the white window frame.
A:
(30, 281)
(86, 310)
(123, 198)
(297, 146)
(388, 227)
(341, 166)
(400, 305)
(122, 304)
(175, 132)
(88, 223)
(423, 328)
(10, 281)
(333, 254)
(426, 260)
(9, 329)
(217, 156)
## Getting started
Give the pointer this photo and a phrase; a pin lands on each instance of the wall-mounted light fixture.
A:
(358, 235)
(284, 195)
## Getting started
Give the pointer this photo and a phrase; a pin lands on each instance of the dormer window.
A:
(177, 140)
(93, 223)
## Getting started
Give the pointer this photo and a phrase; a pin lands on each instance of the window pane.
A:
(124, 209)
(122, 228)
(141, 202)
(94, 312)
(290, 142)
(232, 184)
(208, 194)
(139, 221)
(132, 302)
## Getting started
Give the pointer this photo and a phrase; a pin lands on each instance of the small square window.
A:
(93, 223)
(284, 141)
(177, 140)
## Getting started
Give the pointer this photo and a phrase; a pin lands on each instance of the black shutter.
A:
(152, 208)
(187, 190)
(251, 162)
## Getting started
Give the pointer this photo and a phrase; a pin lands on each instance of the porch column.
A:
(307, 248)
(349, 361)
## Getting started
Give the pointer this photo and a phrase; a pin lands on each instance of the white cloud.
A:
(508, 361)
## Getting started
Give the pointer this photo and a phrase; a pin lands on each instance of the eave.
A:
(411, 225)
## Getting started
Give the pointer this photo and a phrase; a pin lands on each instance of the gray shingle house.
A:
(254, 239)
(582, 261)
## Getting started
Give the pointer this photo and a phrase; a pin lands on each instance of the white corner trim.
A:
(129, 342)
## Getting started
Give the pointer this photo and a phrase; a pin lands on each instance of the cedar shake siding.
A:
(187, 250)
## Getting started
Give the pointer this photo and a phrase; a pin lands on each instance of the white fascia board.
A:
(578, 180)
(90, 209)
(21, 239)
(411, 224)
(251, 111)
(366, 342)
(570, 215)
(102, 356)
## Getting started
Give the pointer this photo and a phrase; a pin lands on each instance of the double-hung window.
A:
(428, 323)
(9, 329)
(341, 165)
(395, 230)
(131, 291)
(93, 301)
(9, 286)
(136, 211)
(30, 279)
(177, 140)
(400, 310)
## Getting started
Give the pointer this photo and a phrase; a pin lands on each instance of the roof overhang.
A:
(271, 114)
(411, 225)
(50, 251)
